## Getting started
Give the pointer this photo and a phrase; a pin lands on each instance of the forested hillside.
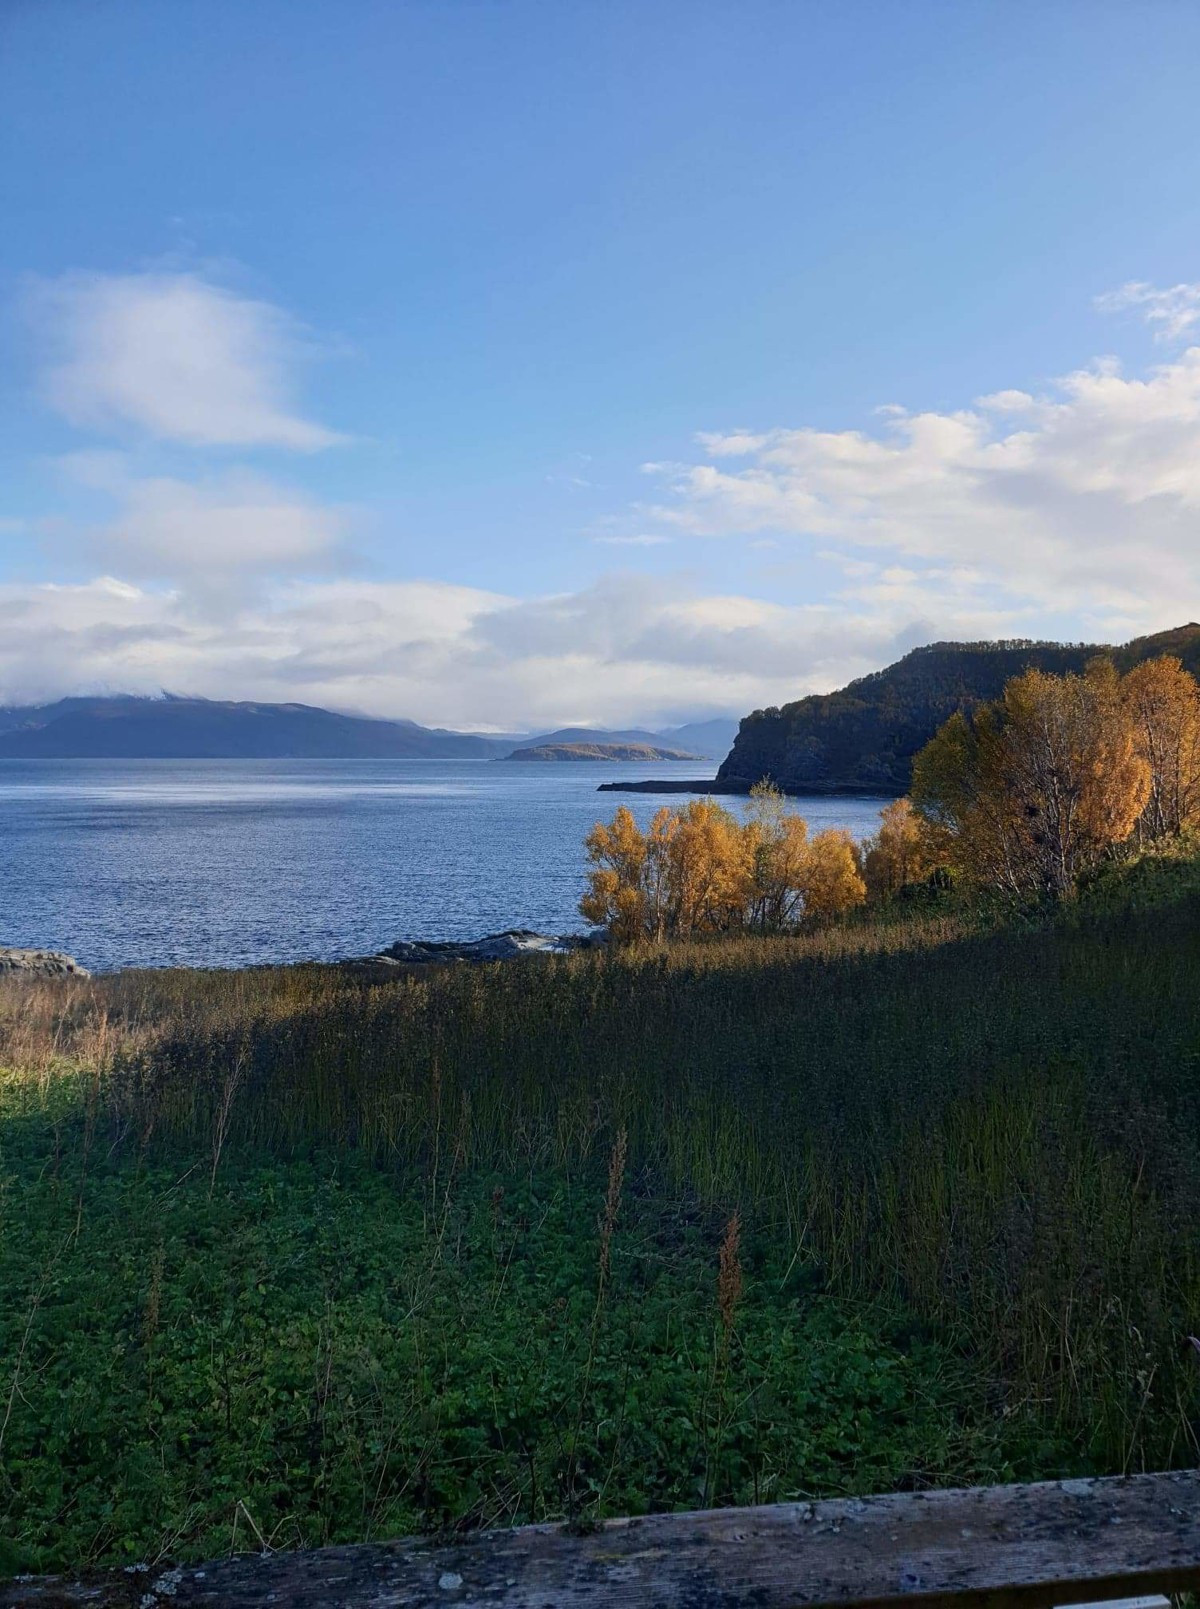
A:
(864, 737)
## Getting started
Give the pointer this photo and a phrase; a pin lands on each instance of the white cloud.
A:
(173, 356)
(1084, 501)
(1174, 312)
(616, 652)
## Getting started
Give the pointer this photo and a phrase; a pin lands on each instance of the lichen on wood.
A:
(1021, 1546)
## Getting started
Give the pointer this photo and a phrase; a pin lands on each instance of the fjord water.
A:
(235, 862)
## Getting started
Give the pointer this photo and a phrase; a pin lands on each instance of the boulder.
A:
(509, 946)
(39, 963)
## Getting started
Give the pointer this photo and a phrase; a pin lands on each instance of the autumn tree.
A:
(1163, 704)
(1032, 790)
(833, 881)
(699, 863)
(777, 860)
(616, 897)
(903, 851)
(689, 873)
(699, 870)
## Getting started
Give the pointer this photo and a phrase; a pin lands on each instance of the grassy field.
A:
(304, 1255)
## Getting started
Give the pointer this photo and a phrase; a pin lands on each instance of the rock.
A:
(515, 943)
(40, 963)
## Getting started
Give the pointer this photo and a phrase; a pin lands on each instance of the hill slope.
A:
(129, 728)
(863, 737)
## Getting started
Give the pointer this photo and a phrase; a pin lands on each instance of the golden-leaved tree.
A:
(778, 858)
(833, 880)
(699, 870)
(902, 852)
(1031, 791)
(1163, 704)
(617, 896)
(689, 873)
(698, 857)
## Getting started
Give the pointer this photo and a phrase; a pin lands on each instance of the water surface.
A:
(230, 862)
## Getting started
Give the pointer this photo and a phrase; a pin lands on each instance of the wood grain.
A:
(1050, 1543)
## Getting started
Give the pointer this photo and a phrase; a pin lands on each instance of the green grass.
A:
(320, 1254)
(317, 1352)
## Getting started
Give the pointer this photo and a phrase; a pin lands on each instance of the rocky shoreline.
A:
(513, 944)
(706, 786)
(740, 786)
(40, 963)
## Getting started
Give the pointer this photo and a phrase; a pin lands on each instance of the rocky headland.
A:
(512, 945)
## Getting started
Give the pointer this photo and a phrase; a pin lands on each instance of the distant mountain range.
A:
(863, 738)
(174, 728)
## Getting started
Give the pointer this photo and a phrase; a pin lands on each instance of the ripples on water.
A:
(226, 863)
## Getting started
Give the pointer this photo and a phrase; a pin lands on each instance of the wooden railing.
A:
(1057, 1542)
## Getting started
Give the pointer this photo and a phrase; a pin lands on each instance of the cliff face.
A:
(862, 739)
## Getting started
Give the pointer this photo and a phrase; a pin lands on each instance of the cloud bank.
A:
(1081, 500)
(447, 655)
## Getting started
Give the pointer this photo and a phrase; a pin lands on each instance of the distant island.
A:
(708, 740)
(599, 751)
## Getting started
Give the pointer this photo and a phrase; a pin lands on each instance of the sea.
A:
(227, 863)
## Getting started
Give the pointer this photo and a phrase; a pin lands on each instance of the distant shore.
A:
(739, 786)
(712, 785)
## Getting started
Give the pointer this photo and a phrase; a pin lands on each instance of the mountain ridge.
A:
(177, 726)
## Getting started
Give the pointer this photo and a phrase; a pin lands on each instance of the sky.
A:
(501, 364)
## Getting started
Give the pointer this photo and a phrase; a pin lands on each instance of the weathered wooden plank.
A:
(1008, 1547)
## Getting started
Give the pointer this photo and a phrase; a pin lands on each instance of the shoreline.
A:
(739, 787)
(512, 944)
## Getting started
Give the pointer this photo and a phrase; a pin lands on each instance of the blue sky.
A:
(503, 364)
